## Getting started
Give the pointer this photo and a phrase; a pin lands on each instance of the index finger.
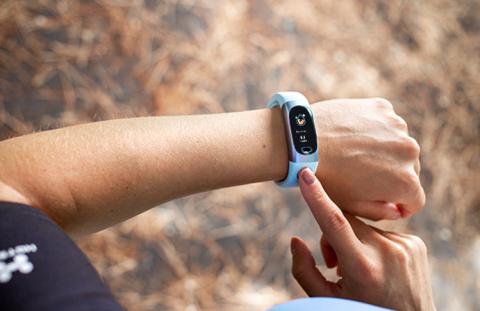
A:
(328, 215)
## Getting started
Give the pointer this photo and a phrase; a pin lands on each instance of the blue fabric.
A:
(41, 268)
(319, 304)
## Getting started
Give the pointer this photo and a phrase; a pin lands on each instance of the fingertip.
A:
(294, 241)
(309, 183)
(306, 176)
(404, 212)
(300, 173)
(300, 251)
(301, 256)
(392, 211)
(298, 245)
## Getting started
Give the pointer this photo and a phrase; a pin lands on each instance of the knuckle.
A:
(376, 278)
(383, 103)
(399, 122)
(409, 181)
(367, 267)
(407, 146)
(409, 246)
(336, 221)
(371, 272)
(399, 253)
(411, 147)
(417, 244)
(384, 244)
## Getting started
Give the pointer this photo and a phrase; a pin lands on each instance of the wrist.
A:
(299, 131)
(321, 128)
(274, 151)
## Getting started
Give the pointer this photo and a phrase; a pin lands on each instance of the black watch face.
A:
(303, 130)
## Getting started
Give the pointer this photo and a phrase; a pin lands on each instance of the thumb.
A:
(306, 273)
(374, 210)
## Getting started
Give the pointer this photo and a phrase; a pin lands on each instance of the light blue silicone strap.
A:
(293, 168)
(281, 98)
(278, 100)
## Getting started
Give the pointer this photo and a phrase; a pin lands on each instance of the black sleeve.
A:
(41, 268)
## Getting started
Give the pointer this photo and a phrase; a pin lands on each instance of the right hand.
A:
(368, 163)
(382, 268)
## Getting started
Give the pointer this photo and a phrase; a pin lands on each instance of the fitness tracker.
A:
(300, 132)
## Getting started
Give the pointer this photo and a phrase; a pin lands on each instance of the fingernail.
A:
(308, 176)
(393, 211)
(403, 212)
(293, 245)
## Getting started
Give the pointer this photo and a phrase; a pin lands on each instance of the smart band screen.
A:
(303, 130)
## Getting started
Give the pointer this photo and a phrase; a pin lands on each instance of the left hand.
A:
(368, 163)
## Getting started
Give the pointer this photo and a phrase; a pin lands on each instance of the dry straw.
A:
(67, 62)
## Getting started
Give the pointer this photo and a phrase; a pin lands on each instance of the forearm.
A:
(91, 176)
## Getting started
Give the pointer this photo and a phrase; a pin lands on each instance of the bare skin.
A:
(91, 176)
(382, 268)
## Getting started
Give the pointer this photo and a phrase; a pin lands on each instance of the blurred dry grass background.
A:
(68, 62)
